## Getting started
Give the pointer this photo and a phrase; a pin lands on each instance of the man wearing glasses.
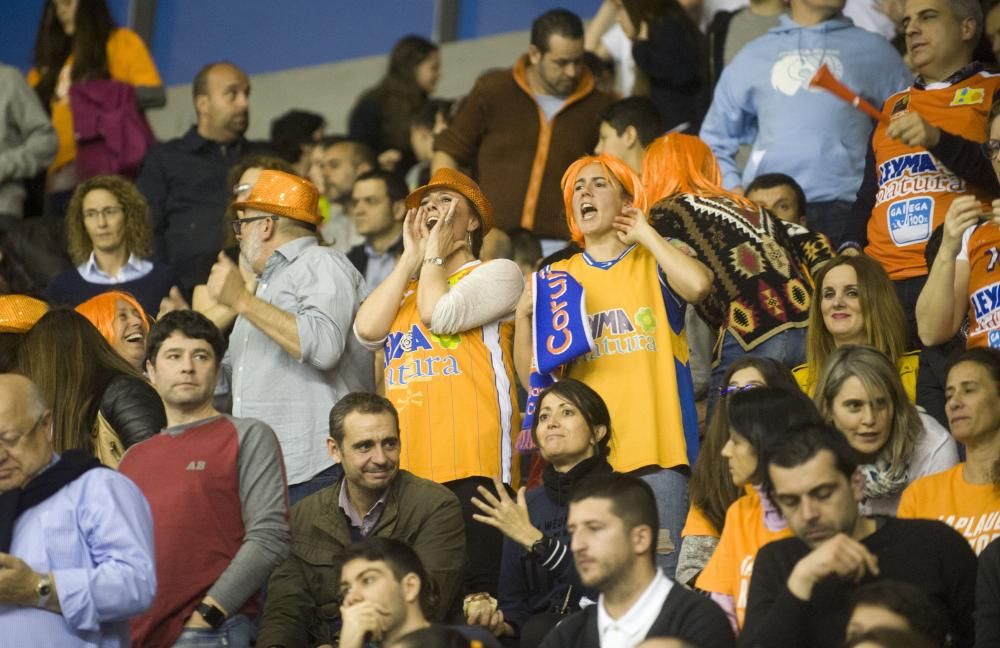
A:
(291, 353)
(928, 154)
(76, 539)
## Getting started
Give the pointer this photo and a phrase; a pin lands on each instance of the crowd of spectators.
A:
(642, 342)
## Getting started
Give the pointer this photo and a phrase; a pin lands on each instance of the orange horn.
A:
(824, 79)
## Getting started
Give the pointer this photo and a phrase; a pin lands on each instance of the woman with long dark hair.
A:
(538, 581)
(77, 40)
(381, 117)
(100, 404)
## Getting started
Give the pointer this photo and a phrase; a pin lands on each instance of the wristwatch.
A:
(438, 261)
(213, 616)
(43, 589)
(540, 550)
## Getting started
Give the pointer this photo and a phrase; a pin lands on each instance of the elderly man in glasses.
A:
(927, 154)
(291, 353)
(76, 539)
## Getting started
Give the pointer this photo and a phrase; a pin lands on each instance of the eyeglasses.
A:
(107, 212)
(991, 149)
(242, 188)
(237, 223)
(729, 390)
(10, 441)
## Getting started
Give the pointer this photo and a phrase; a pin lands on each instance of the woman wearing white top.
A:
(859, 393)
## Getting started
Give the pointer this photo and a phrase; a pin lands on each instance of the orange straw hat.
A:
(18, 313)
(458, 182)
(284, 194)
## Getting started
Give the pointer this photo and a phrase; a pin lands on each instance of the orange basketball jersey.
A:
(455, 395)
(981, 248)
(915, 188)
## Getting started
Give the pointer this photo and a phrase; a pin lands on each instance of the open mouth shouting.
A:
(587, 210)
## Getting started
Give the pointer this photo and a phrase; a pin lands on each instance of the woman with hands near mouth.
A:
(444, 320)
(539, 583)
(637, 285)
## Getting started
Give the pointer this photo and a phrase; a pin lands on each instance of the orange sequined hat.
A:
(284, 194)
(18, 313)
(461, 183)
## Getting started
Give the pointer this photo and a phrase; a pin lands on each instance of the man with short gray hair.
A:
(928, 154)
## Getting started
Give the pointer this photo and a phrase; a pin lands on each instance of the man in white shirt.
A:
(613, 522)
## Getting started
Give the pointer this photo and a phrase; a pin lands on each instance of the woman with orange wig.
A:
(759, 302)
(122, 322)
(636, 285)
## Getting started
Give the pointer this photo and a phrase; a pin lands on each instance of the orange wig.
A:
(676, 163)
(102, 310)
(620, 172)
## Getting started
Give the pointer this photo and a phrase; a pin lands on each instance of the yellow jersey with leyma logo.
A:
(455, 395)
(639, 365)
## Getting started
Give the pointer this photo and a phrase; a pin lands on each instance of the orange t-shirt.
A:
(697, 524)
(971, 509)
(915, 188)
(728, 571)
(981, 250)
(128, 61)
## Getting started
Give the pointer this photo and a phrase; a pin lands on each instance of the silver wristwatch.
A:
(43, 590)
(438, 261)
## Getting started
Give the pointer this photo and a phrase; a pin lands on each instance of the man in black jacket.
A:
(613, 522)
(800, 586)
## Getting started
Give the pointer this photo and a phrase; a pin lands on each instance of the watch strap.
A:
(213, 616)
(43, 590)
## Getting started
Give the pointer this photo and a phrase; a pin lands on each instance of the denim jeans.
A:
(835, 219)
(670, 488)
(787, 347)
(237, 632)
(319, 481)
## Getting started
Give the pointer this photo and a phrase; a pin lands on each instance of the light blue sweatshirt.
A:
(810, 135)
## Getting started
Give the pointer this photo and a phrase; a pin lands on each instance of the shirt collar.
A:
(90, 265)
(289, 252)
(193, 141)
(393, 249)
(355, 516)
(961, 74)
(642, 614)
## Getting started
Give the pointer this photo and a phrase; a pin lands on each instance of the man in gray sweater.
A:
(27, 141)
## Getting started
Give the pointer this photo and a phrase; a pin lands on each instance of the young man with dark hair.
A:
(212, 480)
(522, 127)
(628, 126)
(895, 604)
(374, 499)
(377, 209)
(800, 586)
(614, 521)
(341, 160)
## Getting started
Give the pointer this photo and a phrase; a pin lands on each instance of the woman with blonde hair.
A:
(760, 300)
(860, 394)
(122, 322)
(110, 239)
(856, 304)
(636, 285)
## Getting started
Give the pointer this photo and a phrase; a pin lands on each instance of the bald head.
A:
(25, 431)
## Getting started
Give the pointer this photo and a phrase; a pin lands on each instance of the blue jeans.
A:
(835, 218)
(237, 632)
(671, 490)
(787, 347)
(319, 481)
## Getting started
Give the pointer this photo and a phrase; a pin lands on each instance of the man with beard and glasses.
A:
(184, 179)
(613, 523)
(374, 499)
(207, 476)
(801, 587)
(291, 352)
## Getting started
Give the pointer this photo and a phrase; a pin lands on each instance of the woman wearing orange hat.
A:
(444, 320)
(636, 287)
(122, 322)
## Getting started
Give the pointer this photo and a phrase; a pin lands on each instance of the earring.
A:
(468, 239)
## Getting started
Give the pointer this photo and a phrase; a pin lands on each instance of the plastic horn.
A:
(825, 80)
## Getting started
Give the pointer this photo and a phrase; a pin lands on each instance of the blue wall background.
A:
(268, 35)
